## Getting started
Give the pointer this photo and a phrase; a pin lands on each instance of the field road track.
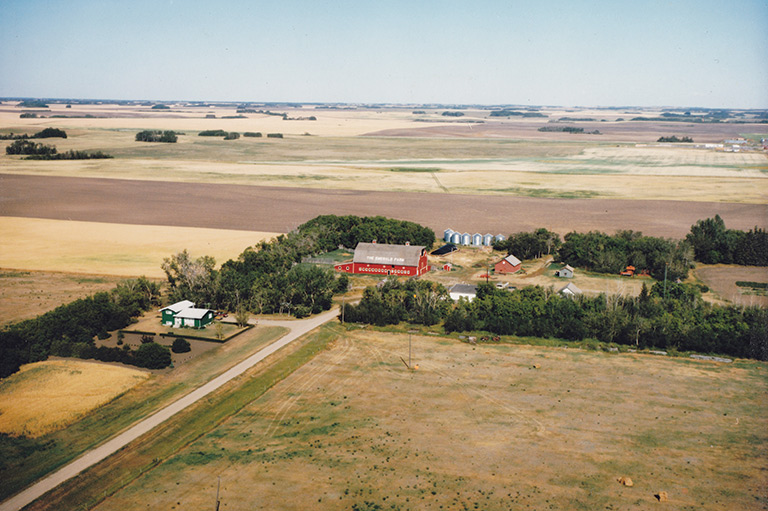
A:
(297, 329)
(278, 209)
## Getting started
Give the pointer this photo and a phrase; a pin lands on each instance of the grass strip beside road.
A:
(92, 486)
(24, 461)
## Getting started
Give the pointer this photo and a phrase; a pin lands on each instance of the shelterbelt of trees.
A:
(708, 242)
(268, 278)
(265, 278)
(671, 316)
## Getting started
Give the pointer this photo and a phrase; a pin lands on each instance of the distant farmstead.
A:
(509, 264)
(385, 259)
(184, 314)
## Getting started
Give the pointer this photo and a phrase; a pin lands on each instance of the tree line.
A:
(669, 316)
(69, 329)
(46, 133)
(708, 242)
(712, 244)
(38, 151)
(674, 139)
(167, 136)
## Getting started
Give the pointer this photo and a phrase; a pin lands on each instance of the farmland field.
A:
(112, 249)
(45, 396)
(479, 427)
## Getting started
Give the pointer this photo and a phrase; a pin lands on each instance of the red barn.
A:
(509, 264)
(385, 259)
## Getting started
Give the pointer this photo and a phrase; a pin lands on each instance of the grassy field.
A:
(46, 396)
(22, 461)
(475, 427)
(27, 294)
(112, 249)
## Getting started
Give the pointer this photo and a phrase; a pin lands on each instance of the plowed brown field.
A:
(276, 209)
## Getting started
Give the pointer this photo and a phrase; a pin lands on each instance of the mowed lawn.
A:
(45, 396)
(479, 427)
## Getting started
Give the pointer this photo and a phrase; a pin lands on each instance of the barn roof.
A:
(383, 253)
(179, 306)
(514, 261)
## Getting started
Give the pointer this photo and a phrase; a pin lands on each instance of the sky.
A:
(686, 53)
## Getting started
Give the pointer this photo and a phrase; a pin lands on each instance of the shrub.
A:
(232, 136)
(212, 133)
(252, 134)
(181, 345)
(152, 356)
(274, 135)
(28, 115)
(145, 339)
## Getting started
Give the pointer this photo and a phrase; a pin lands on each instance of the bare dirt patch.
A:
(485, 427)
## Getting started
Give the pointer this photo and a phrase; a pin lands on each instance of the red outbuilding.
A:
(509, 264)
(384, 259)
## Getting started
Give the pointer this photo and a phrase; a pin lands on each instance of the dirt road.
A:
(37, 490)
(275, 209)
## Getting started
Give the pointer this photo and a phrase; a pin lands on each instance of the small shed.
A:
(565, 272)
(570, 290)
(468, 291)
(447, 235)
(488, 240)
(477, 239)
(499, 237)
(466, 239)
(456, 238)
(509, 264)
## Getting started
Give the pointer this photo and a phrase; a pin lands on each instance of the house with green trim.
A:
(184, 314)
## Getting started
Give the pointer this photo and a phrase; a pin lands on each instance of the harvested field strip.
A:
(163, 442)
(45, 396)
(111, 249)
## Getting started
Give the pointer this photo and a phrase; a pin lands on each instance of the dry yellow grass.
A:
(45, 396)
(111, 249)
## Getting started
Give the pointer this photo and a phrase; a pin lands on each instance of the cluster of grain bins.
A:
(476, 240)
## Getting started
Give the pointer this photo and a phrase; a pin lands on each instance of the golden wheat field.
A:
(112, 249)
(46, 396)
